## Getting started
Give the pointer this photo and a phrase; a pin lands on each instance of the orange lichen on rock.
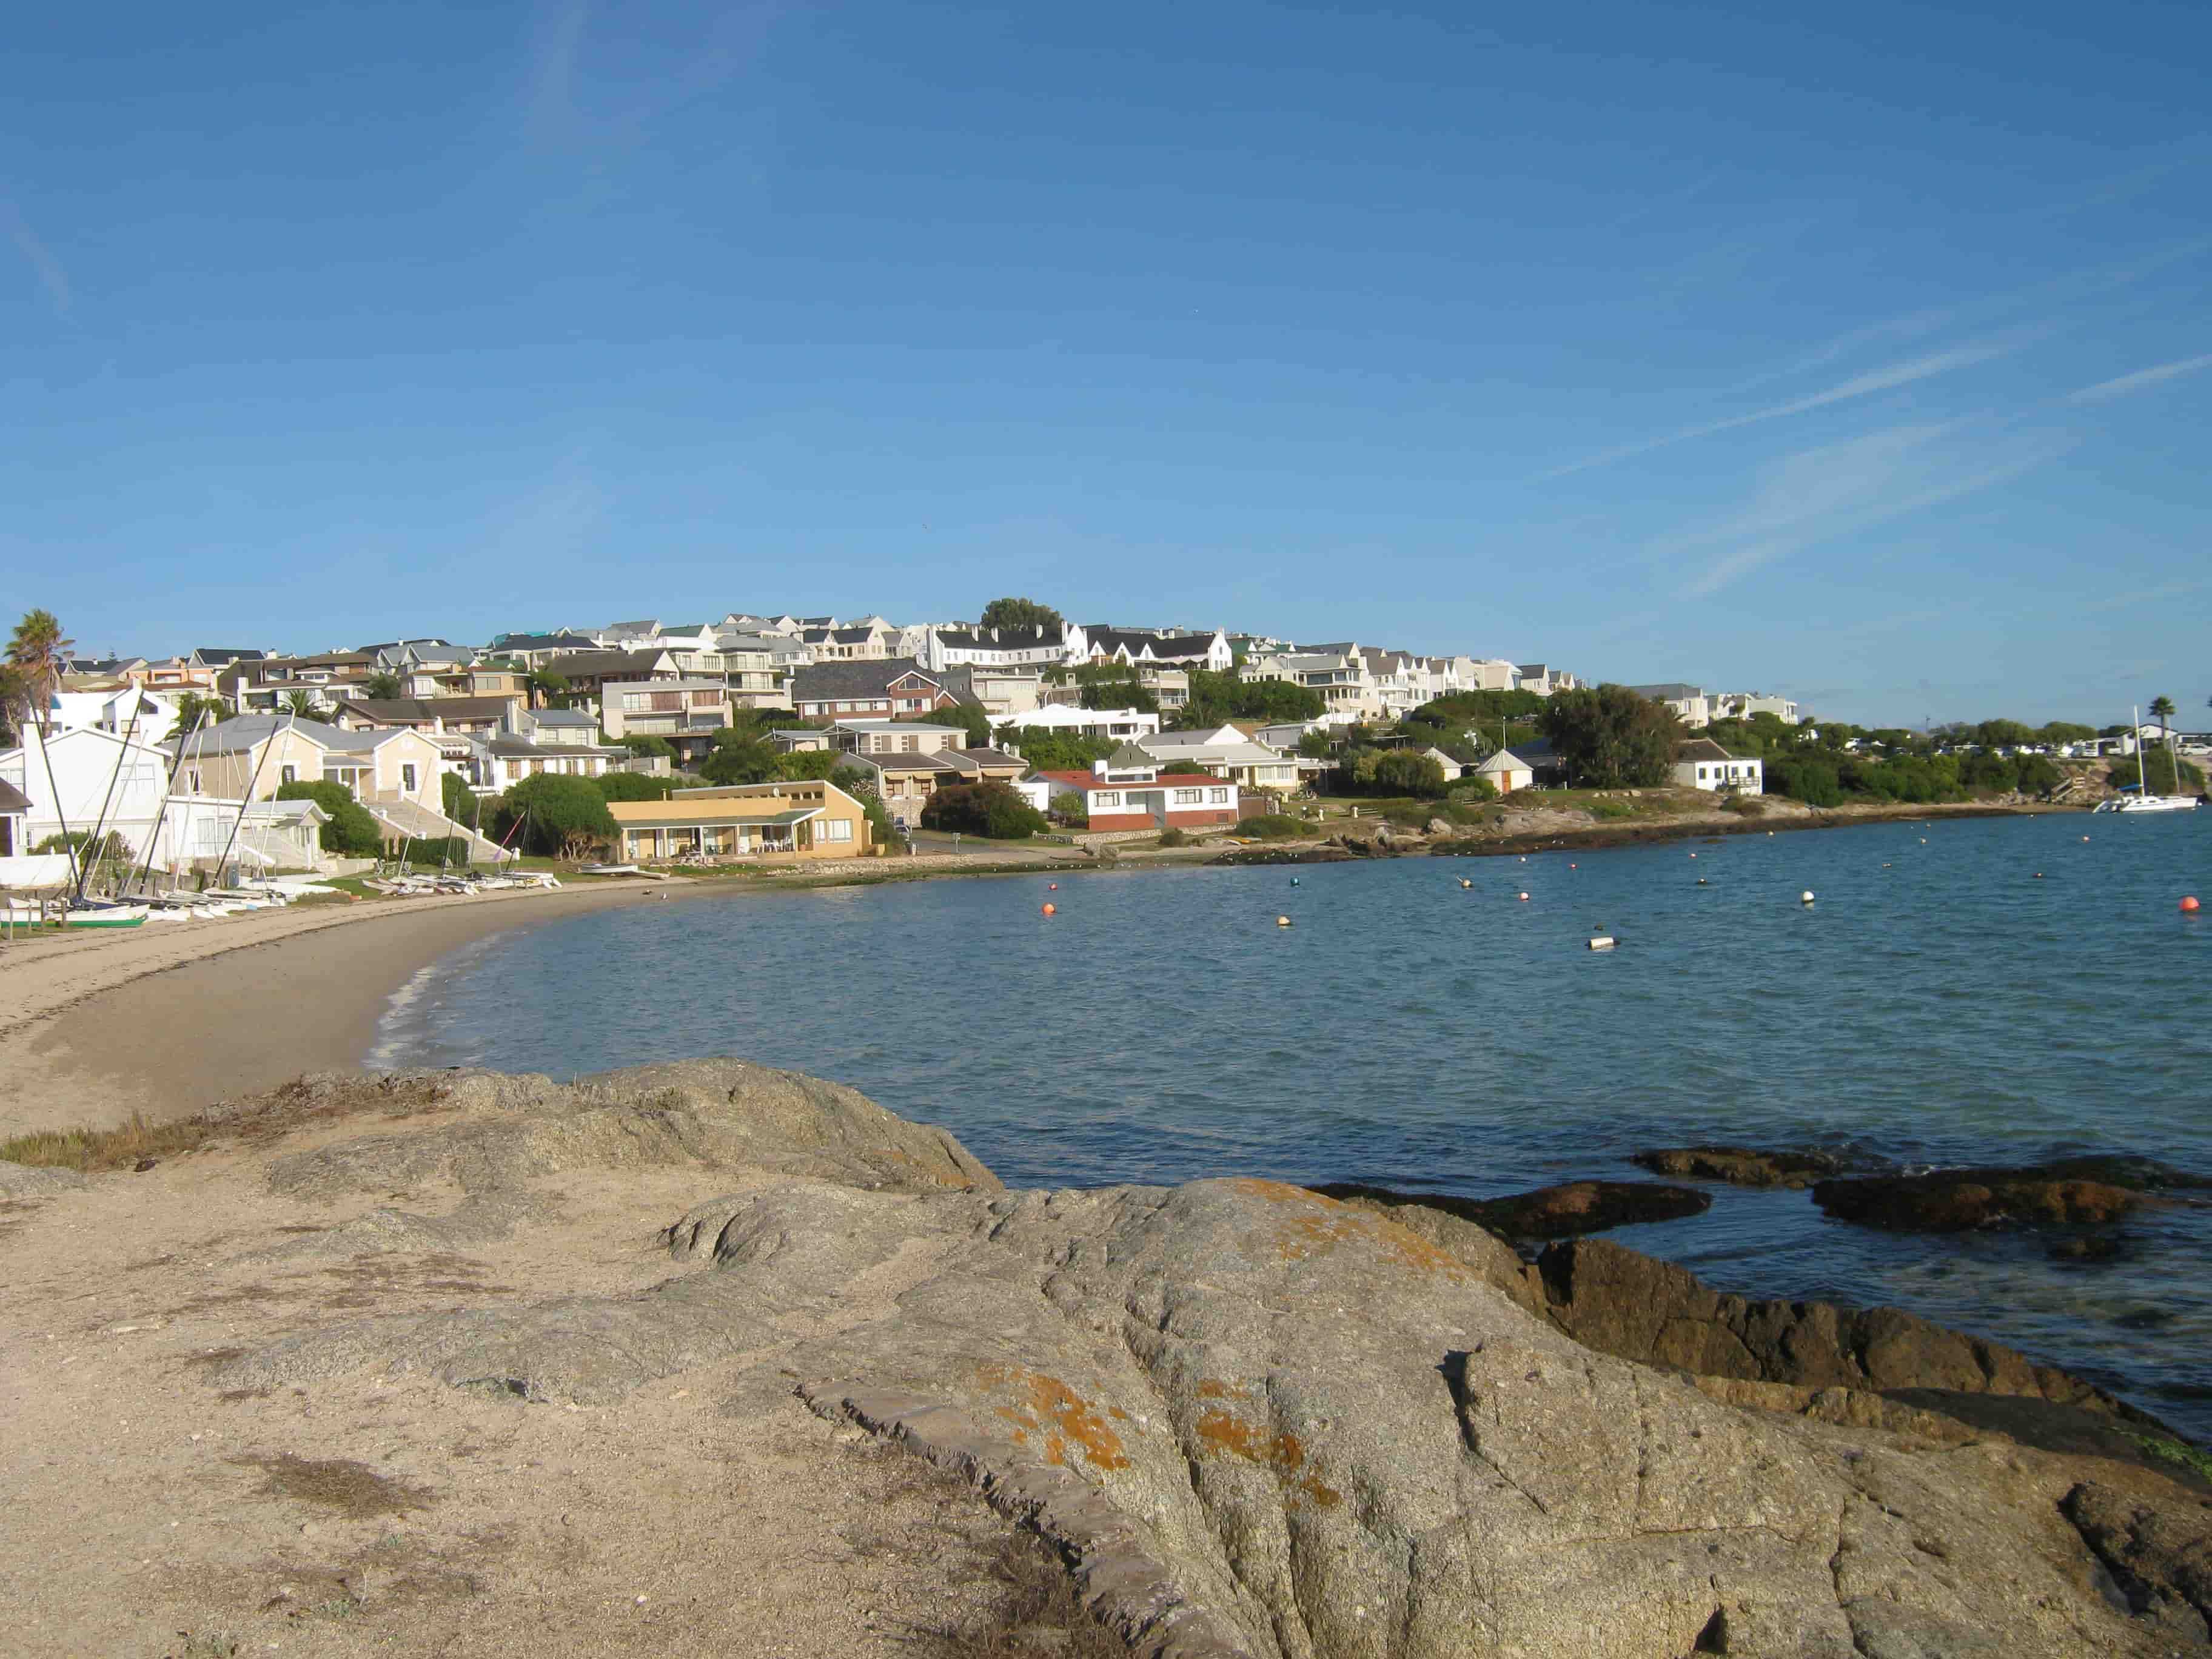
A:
(1214, 1388)
(1322, 1224)
(1051, 1404)
(1224, 1431)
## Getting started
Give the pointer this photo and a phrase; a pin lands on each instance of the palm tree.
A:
(2161, 710)
(299, 704)
(38, 653)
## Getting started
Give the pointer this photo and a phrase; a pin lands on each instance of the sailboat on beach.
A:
(2139, 798)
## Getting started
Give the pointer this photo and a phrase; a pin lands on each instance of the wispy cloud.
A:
(1884, 379)
(1839, 489)
(2140, 380)
(48, 269)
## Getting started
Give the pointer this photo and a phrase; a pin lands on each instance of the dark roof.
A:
(606, 665)
(1001, 639)
(1164, 646)
(819, 681)
(1669, 691)
(219, 657)
(13, 799)
(1702, 749)
(401, 710)
(556, 716)
(561, 641)
(1535, 671)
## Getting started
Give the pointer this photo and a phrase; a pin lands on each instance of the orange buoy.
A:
(2189, 905)
(1282, 922)
(1052, 909)
(1052, 887)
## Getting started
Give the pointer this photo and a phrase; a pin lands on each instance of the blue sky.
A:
(1861, 353)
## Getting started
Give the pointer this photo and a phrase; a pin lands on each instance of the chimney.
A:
(1099, 768)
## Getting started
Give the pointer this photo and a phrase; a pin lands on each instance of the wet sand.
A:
(165, 1019)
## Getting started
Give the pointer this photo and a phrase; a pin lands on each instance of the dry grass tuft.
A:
(1037, 1615)
(337, 1483)
(257, 1121)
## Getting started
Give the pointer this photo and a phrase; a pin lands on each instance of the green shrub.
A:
(112, 847)
(1606, 811)
(1749, 806)
(450, 851)
(634, 785)
(990, 809)
(351, 833)
(1173, 837)
(1272, 826)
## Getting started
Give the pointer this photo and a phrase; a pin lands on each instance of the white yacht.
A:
(2141, 799)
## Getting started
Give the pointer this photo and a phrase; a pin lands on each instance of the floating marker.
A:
(1464, 882)
(1052, 887)
(1574, 866)
(1524, 898)
(2189, 905)
(1805, 897)
(1282, 922)
(1694, 856)
(1294, 881)
(1052, 909)
(1603, 942)
(1701, 881)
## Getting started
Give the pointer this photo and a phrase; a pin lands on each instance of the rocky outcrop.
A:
(1619, 1302)
(1960, 1200)
(717, 1114)
(1741, 1166)
(2160, 1559)
(1259, 1423)
(1548, 1213)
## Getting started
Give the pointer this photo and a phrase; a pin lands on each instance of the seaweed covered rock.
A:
(1742, 1166)
(1548, 1213)
(1960, 1200)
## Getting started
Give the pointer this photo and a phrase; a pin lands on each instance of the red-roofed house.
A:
(1129, 791)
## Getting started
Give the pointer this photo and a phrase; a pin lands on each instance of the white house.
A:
(1226, 752)
(84, 777)
(147, 716)
(1701, 763)
(1690, 703)
(1453, 770)
(1117, 724)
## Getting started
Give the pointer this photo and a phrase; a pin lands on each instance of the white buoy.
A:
(1524, 898)
(1603, 942)
(1282, 922)
(1805, 897)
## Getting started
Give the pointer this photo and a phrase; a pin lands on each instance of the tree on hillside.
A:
(547, 690)
(1056, 752)
(804, 763)
(1215, 697)
(633, 785)
(2161, 709)
(563, 816)
(1610, 738)
(991, 809)
(740, 755)
(194, 710)
(644, 743)
(1108, 685)
(1315, 744)
(381, 687)
(1020, 613)
(972, 718)
(301, 703)
(39, 654)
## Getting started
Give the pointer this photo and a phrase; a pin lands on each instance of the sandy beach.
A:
(161, 1021)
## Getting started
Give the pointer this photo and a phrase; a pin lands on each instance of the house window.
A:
(1189, 796)
(1218, 797)
(834, 829)
(291, 774)
(635, 703)
(407, 777)
(195, 782)
(1107, 797)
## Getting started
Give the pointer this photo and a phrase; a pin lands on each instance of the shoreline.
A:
(99, 1028)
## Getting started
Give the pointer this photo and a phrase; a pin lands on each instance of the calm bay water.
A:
(1937, 1005)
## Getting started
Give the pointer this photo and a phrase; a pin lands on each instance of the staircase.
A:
(405, 820)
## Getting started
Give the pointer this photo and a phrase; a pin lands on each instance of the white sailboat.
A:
(2142, 799)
